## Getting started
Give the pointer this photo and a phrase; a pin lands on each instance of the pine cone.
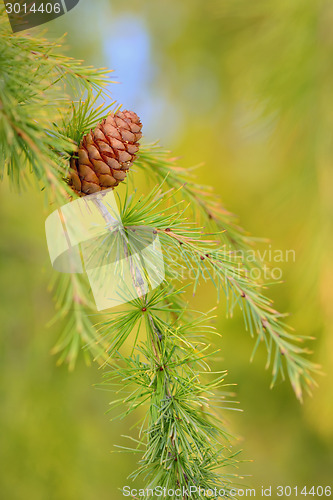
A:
(106, 153)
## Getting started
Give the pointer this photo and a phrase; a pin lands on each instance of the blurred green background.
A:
(246, 88)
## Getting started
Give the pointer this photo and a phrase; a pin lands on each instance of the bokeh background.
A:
(246, 88)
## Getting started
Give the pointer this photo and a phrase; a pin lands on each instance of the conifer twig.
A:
(186, 248)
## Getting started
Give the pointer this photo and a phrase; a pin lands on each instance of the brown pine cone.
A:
(106, 153)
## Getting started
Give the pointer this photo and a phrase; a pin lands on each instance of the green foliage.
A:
(33, 96)
(188, 252)
(74, 307)
(37, 85)
(84, 115)
(182, 438)
(204, 203)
